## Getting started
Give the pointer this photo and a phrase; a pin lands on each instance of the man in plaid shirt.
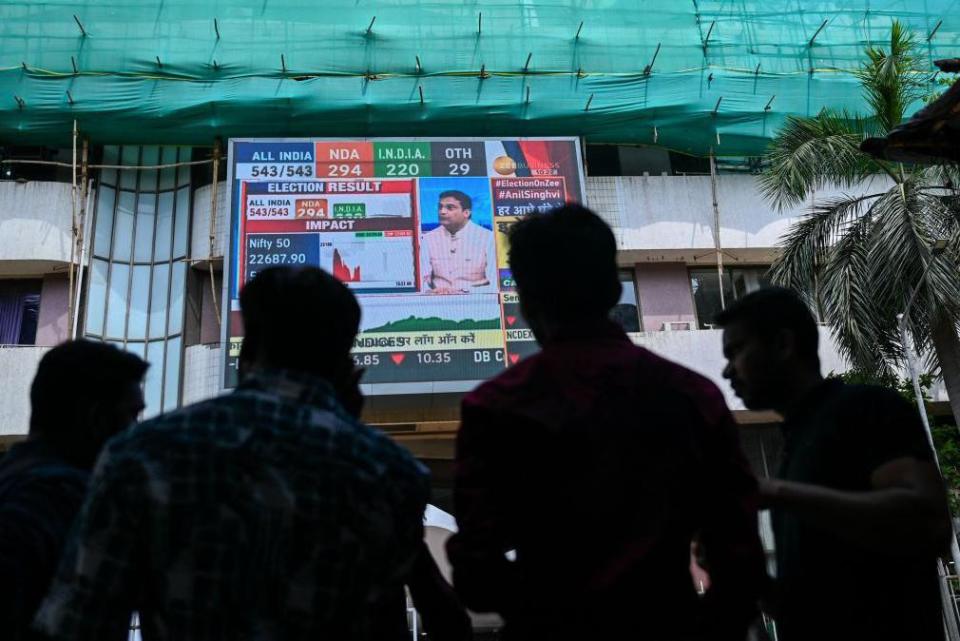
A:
(268, 513)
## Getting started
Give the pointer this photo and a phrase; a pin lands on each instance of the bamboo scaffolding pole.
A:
(81, 233)
(71, 295)
(716, 227)
(213, 228)
(55, 163)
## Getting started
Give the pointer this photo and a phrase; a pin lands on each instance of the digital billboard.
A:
(417, 228)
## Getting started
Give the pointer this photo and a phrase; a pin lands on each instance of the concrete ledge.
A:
(35, 224)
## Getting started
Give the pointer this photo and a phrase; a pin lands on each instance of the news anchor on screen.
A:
(457, 256)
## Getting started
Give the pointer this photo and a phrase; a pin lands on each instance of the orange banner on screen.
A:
(312, 208)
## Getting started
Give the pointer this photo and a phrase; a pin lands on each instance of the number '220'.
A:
(394, 169)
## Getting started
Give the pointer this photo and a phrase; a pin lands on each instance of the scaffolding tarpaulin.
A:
(688, 75)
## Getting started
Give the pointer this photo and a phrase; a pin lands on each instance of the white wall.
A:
(35, 224)
(18, 365)
(201, 372)
(676, 212)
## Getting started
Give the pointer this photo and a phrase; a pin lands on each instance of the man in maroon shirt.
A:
(597, 463)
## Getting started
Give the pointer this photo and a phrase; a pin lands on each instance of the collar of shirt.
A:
(36, 458)
(460, 233)
(301, 387)
(601, 330)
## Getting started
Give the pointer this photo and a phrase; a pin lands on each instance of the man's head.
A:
(454, 210)
(83, 393)
(300, 319)
(564, 264)
(770, 343)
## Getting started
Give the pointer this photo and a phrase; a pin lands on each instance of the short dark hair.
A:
(299, 318)
(75, 376)
(465, 201)
(566, 261)
(771, 309)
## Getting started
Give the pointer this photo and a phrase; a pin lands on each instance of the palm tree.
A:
(858, 257)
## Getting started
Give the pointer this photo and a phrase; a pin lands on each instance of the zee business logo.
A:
(506, 165)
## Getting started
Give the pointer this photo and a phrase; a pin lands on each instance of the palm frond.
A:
(893, 79)
(939, 295)
(906, 224)
(848, 303)
(945, 176)
(898, 240)
(812, 153)
(806, 245)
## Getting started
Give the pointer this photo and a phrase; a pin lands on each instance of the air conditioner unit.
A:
(671, 326)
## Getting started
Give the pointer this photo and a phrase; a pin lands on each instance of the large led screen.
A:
(417, 228)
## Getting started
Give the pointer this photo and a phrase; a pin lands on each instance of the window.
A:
(737, 282)
(637, 160)
(26, 172)
(626, 311)
(19, 310)
(138, 270)
(202, 326)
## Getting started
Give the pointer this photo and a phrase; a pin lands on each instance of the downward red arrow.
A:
(511, 320)
(397, 358)
(514, 358)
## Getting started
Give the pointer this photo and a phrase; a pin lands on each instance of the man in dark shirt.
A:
(596, 463)
(859, 511)
(83, 393)
(270, 513)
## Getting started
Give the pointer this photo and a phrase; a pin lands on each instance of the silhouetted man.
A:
(83, 393)
(269, 513)
(441, 613)
(597, 462)
(859, 513)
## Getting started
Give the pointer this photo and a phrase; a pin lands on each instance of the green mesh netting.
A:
(156, 72)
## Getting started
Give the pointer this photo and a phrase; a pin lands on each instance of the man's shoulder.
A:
(858, 401)
(387, 454)
(668, 370)
(195, 426)
(500, 390)
(231, 416)
(436, 232)
(854, 391)
(478, 229)
(221, 423)
(184, 420)
(874, 424)
(26, 479)
(695, 387)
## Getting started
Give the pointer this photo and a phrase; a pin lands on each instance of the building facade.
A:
(148, 270)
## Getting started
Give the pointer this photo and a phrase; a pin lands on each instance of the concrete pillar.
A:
(209, 321)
